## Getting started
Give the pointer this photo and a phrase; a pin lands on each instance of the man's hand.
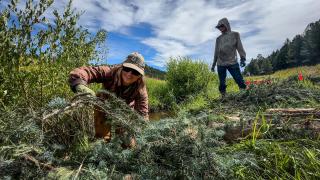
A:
(242, 62)
(84, 89)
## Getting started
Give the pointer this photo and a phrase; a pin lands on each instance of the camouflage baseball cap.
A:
(135, 61)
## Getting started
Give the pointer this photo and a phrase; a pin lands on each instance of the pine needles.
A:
(280, 93)
(57, 141)
(60, 127)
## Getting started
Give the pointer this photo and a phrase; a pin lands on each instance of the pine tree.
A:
(255, 67)
(266, 66)
(302, 50)
(282, 57)
(294, 52)
(311, 45)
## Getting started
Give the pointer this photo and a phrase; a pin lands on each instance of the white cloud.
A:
(187, 27)
(279, 20)
(166, 49)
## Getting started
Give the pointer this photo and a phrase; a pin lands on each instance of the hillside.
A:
(154, 73)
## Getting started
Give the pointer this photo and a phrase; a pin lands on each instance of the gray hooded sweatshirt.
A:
(226, 45)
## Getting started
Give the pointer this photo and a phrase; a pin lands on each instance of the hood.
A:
(225, 22)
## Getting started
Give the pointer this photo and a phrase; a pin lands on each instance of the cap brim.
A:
(132, 66)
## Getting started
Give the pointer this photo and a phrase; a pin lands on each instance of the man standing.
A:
(225, 56)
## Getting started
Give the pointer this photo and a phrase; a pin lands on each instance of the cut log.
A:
(298, 119)
(293, 112)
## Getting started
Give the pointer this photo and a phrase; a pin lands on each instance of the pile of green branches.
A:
(279, 93)
(68, 122)
(56, 142)
(167, 149)
(186, 147)
(46, 136)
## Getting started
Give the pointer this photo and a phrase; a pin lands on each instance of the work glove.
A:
(212, 68)
(242, 62)
(80, 88)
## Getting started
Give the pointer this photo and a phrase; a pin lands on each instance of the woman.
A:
(125, 80)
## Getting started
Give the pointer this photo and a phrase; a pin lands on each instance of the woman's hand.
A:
(84, 89)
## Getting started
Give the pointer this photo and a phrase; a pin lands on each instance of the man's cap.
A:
(135, 61)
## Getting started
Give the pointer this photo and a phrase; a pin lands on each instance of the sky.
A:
(160, 29)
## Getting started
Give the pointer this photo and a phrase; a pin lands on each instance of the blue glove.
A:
(242, 62)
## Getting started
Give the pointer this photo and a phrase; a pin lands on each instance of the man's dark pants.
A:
(235, 73)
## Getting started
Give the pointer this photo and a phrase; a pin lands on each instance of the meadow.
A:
(156, 87)
(269, 131)
(205, 138)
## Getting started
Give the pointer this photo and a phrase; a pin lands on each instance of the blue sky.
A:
(160, 29)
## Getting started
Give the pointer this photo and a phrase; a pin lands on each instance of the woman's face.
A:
(129, 76)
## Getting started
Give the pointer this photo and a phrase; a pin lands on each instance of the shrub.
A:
(37, 52)
(187, 77)
(160, 97)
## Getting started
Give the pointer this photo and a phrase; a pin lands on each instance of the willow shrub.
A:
(160, 98)
(187, 78)
(38, 52)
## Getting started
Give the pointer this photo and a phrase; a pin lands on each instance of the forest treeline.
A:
(154, 73)
(303, 49)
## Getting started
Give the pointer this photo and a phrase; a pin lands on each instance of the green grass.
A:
(305, 70)
(275, 154)
(195, 103)
(160, 98)
(274, 159)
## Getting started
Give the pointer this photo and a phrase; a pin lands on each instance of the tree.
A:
(266, 66)
(186, 77)
(273, 58)
(294, 51)
(259, 66)
(302, 50)
(37, 54)
(282, 57)
(255, 67)
(248, 69)
(311, 44)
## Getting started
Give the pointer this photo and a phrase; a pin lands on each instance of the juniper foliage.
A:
(57, 142)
